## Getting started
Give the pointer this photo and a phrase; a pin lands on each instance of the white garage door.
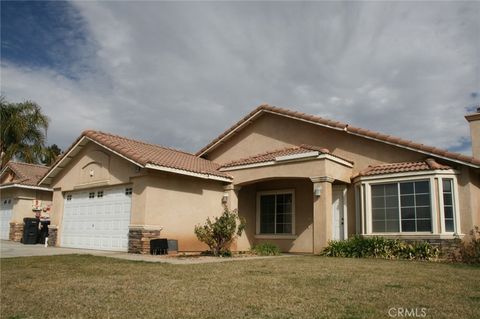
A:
(5, 217)
(97, 219)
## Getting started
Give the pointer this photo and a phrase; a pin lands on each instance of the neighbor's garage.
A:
(5, 217)
(97, 218)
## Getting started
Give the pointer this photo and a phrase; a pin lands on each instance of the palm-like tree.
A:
(23, 131)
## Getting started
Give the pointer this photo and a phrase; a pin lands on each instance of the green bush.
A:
(219, 233)
(379, 247)
(266, 249)
(469, 250)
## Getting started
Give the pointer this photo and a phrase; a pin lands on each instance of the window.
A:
(100, 194)
(276, 210)
(128, 191)
(385, 208)
(91, 195)
(69, 197)
(448, 208)
(401, 207)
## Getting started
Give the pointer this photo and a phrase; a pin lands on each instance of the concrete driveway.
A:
(9, 249)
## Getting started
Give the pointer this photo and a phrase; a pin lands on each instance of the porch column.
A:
(322, 212)
(230, 199)
(231, 196)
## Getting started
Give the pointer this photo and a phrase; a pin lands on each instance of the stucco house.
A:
(298, 180)
(21, 197)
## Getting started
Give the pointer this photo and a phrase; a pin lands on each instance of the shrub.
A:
(266, 249)
(469, 250)
(379, 247)
(219, 233)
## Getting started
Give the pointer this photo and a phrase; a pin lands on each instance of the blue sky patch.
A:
(43, 34)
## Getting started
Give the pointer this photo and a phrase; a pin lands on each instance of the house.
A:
(21, 197)
(298, 180)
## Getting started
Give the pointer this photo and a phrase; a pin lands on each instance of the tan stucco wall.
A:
(303, 169)
(271, 132)
(23, 201)
(475, 134)
(115, 170)
(303, 214)
(177, 203)
(469, 197)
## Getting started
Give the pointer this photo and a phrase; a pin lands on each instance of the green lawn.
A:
(82, 286)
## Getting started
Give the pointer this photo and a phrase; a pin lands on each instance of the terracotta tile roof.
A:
(26, 174)
(144, 153)
(427, 165)
(272, 155)
(347, 128)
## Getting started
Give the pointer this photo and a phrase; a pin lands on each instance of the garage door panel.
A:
(6, 206)
(97, 222)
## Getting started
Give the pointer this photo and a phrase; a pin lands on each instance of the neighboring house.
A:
(298, 180)
(21, 197)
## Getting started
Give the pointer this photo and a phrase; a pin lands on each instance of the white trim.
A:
(188, 173)
(368, 208)
(433, 206)
(296, 156)
(274, 192)
(145, 227)
(273, 236)
(441, 206)
(27, 187)
(396, 176)
(345, 214)
(290, 159)
(64, 156)
(455, 204)
(234, 168)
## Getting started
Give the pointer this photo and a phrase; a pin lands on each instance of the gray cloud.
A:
(178, 74)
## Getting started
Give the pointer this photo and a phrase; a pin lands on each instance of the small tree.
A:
(220, 233)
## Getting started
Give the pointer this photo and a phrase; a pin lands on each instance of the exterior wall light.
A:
(225, 198)
(317, 191)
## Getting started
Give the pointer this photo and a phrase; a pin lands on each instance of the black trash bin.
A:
(30, 231)
(159, 246)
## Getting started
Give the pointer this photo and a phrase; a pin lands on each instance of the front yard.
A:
(83, 286)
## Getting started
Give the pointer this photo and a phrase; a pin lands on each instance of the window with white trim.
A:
(401, 207)
(448, 204)
(275, 213)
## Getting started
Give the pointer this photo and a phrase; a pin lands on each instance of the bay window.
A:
(412, 205)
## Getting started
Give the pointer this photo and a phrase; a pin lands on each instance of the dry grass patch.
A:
(83, 286)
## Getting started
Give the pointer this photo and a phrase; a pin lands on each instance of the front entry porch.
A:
(295, 198)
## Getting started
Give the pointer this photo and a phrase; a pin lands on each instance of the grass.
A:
(83, 286)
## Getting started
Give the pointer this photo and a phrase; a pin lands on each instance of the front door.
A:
(338, 211)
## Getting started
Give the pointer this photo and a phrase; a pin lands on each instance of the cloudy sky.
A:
(179, 73)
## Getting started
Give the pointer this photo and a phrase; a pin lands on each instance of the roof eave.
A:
(188, 173)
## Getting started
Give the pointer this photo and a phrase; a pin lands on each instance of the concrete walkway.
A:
(9, 249)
